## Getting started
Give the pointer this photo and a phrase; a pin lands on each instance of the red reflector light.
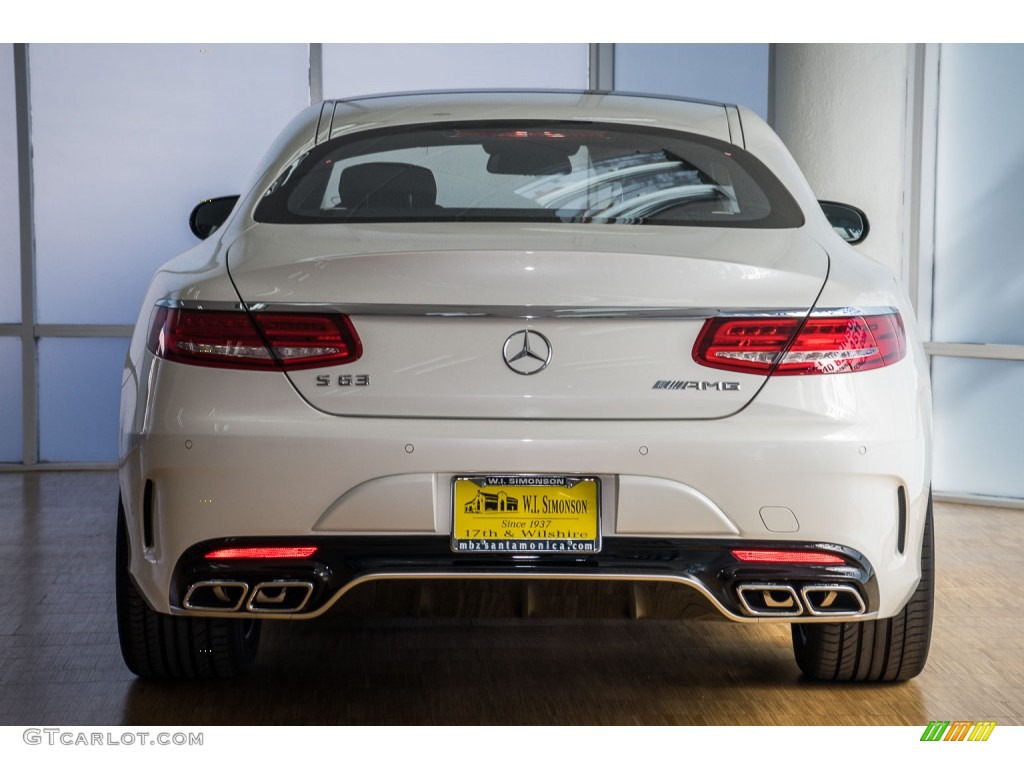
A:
(261, 553)
(231, 339)
(796, 557)
(761, 345)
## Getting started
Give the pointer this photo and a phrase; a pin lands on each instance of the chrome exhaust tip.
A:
(833, 600)
(279, 597)
(216, 595)
(770, 600)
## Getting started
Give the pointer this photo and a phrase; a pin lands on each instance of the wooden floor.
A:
(60, 663)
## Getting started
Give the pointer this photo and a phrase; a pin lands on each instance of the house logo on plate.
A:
(492, 502)
(527, 352)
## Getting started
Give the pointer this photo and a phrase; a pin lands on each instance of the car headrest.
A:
(526, 158)
(387, 185)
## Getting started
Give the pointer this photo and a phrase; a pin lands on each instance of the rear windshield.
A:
(530, 172)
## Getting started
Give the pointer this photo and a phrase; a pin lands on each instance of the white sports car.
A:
(535, 343)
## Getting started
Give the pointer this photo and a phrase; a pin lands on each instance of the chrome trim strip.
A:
(846, 588)
(526, 312)
(639, 577)
(510, 312)
(230, 306)
(854, 311)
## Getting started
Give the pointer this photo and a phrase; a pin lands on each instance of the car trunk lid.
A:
(526, 321)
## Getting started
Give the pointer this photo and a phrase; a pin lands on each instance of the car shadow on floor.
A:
(340, 671)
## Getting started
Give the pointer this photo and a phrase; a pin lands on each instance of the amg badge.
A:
(700, 386)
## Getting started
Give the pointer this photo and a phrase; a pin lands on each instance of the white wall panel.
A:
(127, 138)
(10, 247)
(731, 73)
(978, 426)
(79, 398)
(10, 399)
(979, 271)
(354, 69)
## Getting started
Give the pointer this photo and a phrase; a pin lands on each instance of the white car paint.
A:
(789, 458)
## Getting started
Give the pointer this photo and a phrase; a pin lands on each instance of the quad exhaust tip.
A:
(279, 597)
(770, 600)
(216, 595)
(833, 600)
(266, 597)
(815, 599)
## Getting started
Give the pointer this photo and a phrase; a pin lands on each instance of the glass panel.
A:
(351, 70)
(978, 426)
(126, 140)
(79, 398)
(732, 73)
(10, 400)
(10, 241)
(581, 173)
(978, 280)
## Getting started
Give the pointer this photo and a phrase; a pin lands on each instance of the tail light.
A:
(763, 345)
(258, 341)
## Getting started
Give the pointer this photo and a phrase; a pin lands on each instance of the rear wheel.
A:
(157, 646)
(881, 650)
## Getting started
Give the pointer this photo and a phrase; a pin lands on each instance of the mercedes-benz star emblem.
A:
(527, 352)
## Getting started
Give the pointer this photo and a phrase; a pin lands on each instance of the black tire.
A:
(874, 651)
(164, 647)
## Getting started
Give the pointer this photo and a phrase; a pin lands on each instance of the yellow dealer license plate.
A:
(526, 513)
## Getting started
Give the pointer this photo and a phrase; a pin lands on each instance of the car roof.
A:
(715, 119)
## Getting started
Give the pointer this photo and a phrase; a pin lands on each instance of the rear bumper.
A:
(305, 588)
(219, 462)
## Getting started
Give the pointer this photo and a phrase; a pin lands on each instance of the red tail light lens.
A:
(231, 339)
(795, 557)
(261, 553)
(824, 345)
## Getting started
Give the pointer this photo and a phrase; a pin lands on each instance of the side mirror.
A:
(850, 223)
(207, 217)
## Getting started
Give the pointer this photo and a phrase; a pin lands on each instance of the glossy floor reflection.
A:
(60, 663)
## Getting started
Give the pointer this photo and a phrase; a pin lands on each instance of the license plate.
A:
(526, 513)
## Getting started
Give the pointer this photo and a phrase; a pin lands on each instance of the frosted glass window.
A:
(79, 398)
(979, 267)
(10, 400)
(732, 73)
(126, 140)
(979, 426)
(10, 242)
(356, 69)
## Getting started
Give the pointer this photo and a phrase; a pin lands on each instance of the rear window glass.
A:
(527, 172)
